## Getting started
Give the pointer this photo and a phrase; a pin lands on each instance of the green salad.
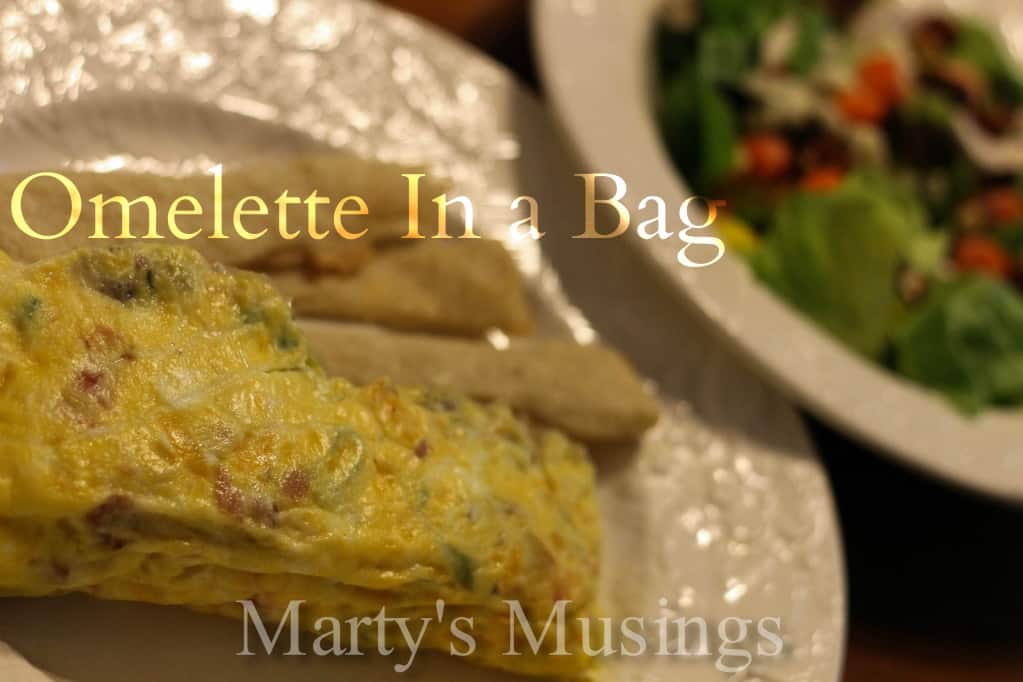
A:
(872, 175)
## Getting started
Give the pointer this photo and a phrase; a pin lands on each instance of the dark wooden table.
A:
(935, 575)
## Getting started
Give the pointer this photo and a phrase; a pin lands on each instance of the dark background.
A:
(935, 574)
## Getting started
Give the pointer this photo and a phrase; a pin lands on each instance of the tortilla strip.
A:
(47, 208)
(588, 391)
(461, 287)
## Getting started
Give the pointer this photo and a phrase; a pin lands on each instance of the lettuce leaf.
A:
(977, 45)
(700, 128)
(813, 27)
(836, 256)
(966, 341)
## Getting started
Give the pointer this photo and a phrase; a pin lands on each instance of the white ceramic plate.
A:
(597, 61)
(722, 510)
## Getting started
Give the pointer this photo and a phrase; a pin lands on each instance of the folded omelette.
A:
(165, 437)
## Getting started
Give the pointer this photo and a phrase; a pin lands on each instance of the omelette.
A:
(165, 437)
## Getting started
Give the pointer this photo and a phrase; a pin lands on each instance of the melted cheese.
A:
(164, 436)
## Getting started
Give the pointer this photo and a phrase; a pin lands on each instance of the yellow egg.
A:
(165, 437)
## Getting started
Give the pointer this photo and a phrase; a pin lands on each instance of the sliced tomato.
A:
(980, 254)
(769, 155)
(823, 179)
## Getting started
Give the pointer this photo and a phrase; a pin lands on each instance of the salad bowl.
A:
(598, 60)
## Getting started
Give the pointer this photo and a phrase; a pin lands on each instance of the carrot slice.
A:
(863, 104)
(980, 254)
(1004, 206)
(880, 73)
(823, 179)
(769, 154)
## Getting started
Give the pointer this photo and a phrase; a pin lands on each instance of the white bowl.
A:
(596, 58)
